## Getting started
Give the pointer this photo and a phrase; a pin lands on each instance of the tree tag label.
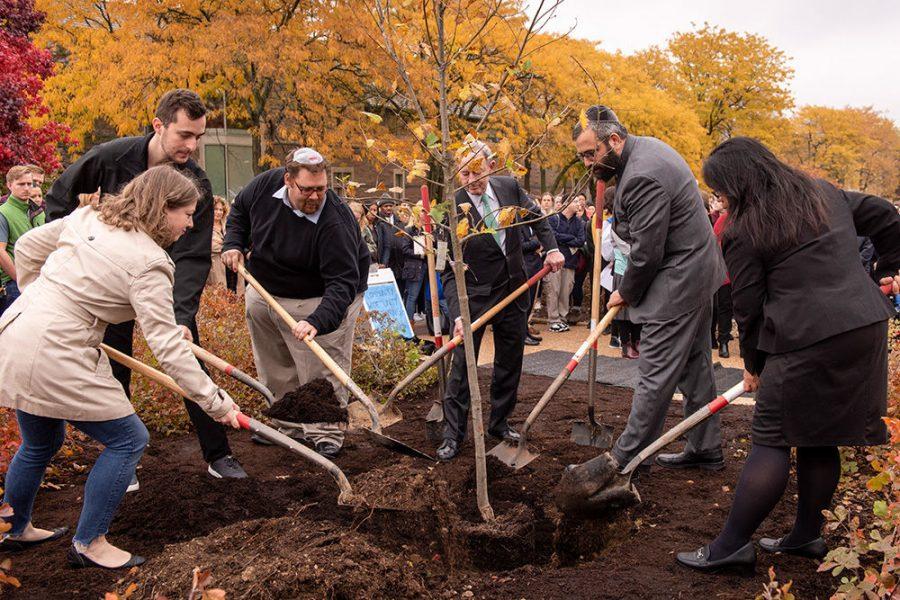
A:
(440, 260)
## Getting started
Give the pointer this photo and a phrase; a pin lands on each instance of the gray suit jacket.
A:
(676, 263)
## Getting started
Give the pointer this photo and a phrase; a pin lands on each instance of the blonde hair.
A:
(142, 204)
(225, 206)
(16, 173)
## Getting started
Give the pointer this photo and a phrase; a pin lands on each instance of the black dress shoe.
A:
(448, 450)
(77, 560)
(816, 549)
(509, 435)
(11, 545)
(689, 460)
(328, 449)
(715, 344)
(723, 350)
(744, 558)
(530, 341)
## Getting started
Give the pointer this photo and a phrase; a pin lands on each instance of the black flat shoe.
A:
(328, 450)
(723, 350)
(11, 545)
(510, 435)
(77, 560)
(448, 450)
(742, 559)
(815, 549)
(689, 460)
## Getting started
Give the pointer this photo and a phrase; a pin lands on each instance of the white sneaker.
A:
(134, 486)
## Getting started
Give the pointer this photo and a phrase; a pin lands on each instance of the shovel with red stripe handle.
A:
(517, 455)
(599, 485)
(346, 497)
(458, 340)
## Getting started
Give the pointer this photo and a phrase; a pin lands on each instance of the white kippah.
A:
(307, 156)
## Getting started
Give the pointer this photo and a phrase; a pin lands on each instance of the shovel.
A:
(436, 413)
(374, 434)
(598, 485)
(517, 455)
(592, 433)
(458, 340)
(346, 497)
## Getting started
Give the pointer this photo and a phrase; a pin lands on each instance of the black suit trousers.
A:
(509, 329)
(213, 440)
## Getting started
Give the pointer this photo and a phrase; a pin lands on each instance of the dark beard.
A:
(605, 169)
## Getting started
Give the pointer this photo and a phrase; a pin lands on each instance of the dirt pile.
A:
(289, 557)
(193, 504)
(314, 402)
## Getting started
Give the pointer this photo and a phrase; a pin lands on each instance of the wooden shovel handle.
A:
(332, 366)
(145, 370)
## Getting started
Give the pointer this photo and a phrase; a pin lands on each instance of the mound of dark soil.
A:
(290, 557)
(314, 402)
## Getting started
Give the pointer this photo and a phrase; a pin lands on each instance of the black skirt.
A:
(833, 393)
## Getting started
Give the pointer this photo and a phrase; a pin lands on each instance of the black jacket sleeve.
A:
(530, 243)
(748, 296)
(877, 219)
(237, 226)
(191, 255)
(84, 176)
(648, 208)
(340, 272)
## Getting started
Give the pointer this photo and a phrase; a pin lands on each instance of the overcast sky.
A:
(844, 53)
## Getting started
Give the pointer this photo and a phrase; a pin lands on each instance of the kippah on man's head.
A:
(307, 156)
(601, 114)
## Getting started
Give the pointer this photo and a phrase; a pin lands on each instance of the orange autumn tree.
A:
(287, 69)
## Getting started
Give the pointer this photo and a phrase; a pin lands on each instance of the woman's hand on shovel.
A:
(232, 418)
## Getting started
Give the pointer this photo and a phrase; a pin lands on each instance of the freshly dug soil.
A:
(282, 535)
(314, 402)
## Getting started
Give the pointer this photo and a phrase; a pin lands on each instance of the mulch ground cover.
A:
(314, 402)
(282, 535)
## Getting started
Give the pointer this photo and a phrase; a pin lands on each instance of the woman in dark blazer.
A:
(813, 333)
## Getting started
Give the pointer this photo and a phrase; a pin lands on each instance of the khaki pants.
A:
(559, 288)
(285, 363)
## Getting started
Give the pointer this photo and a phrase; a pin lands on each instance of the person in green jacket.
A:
(17, 216)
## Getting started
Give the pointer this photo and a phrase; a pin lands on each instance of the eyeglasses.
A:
(591, 154)
(309, 191)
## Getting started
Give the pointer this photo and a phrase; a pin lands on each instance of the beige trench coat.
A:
(77, 275)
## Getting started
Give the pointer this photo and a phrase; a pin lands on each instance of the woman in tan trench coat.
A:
(220, 214)
(103, 264)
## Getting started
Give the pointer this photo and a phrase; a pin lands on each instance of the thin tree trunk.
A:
(484, 505)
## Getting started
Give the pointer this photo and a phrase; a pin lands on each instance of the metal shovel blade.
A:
(395, 445)
(436, 414)
(513, 455)
(594, 487)
(359, 417)
(585, 433)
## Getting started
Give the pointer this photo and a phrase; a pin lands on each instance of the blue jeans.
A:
(12, 292)
(413, 288)
(42, 437)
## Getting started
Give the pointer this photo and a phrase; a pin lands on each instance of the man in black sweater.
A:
(179, 123)
(307, 251)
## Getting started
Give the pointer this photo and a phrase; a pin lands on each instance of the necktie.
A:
(490, 219)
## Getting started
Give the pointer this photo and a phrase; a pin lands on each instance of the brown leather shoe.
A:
(534, 333)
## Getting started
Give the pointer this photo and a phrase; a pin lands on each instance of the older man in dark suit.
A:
(674, 268)
(495, 269)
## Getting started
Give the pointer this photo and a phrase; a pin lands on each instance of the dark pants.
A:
(10, 293)
(509, 327)
(531, 269)
(722, 315)
(577, 297)
(213, 441)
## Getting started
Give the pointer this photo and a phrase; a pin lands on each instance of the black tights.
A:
(761, 486)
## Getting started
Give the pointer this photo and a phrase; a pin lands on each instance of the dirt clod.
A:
(314, 402)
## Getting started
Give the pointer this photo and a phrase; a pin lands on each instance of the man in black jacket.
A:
(308, 252)
(495, 269)
(179, 122)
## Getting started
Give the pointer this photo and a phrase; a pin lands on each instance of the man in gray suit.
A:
(674, 268)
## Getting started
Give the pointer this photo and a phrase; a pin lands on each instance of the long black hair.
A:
(770, 203)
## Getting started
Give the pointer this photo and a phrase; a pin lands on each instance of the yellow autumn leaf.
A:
(462, 228)
(418, 131)
(507, 216)
(391, 156)
(475, 165)
(465, 207)
(583, 119)
(370, 142)
(465, 93)
(372, 117)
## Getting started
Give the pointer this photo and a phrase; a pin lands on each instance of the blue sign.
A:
(385, 306)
